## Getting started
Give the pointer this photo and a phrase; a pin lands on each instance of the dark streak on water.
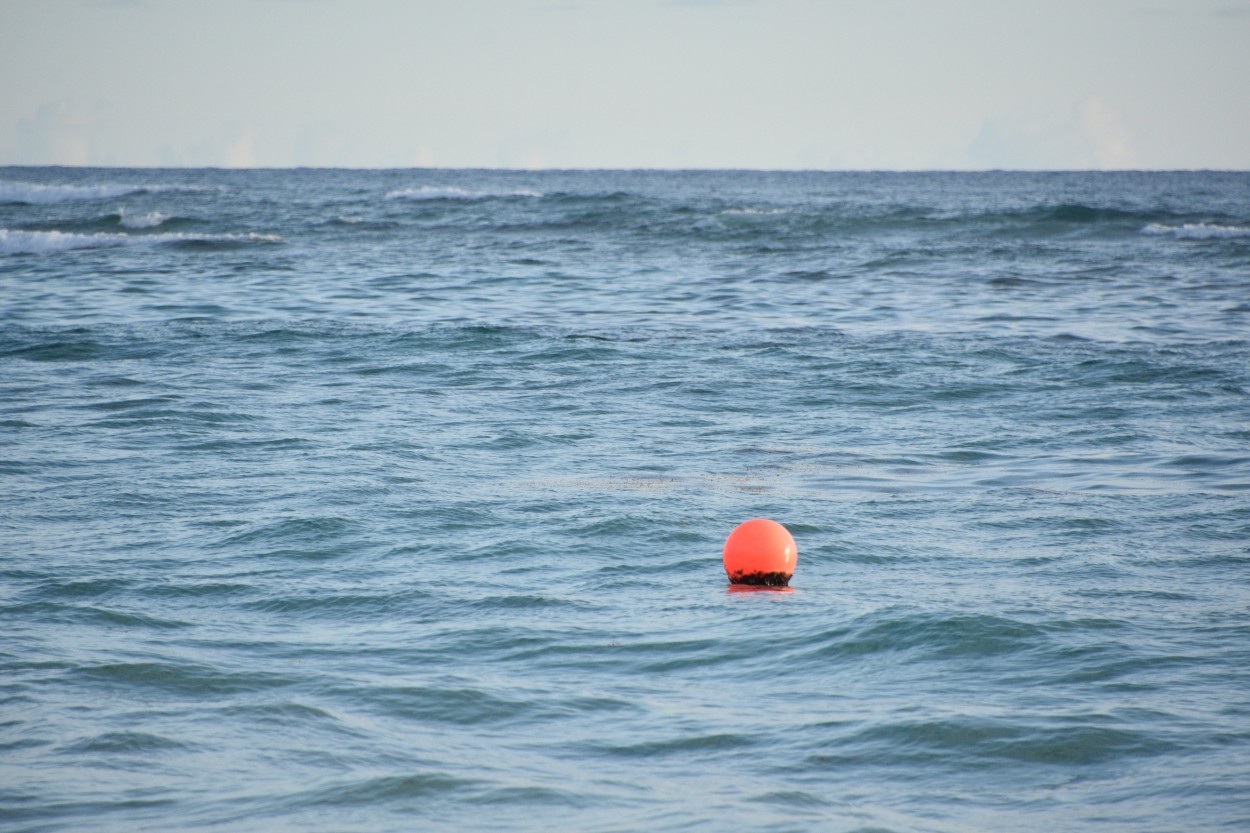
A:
(394, 500)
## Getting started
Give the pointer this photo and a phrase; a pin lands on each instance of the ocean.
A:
(339, 500)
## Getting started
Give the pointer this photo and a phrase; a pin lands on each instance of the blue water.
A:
(394, 500)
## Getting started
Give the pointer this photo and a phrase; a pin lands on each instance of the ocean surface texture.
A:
(394, 500)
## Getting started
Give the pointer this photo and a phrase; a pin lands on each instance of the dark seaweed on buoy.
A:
(765, 579)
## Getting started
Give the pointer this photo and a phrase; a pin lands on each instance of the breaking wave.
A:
(1197, 231)
(448, 192)
(32, 193)
(45, 242)
(754, 212)
(151, 219)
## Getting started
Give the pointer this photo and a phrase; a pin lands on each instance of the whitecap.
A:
(42, 242)
(140, 221)
(451, 192)
(1197, 231)
(45, 242)
(754, 212)
(33, 193)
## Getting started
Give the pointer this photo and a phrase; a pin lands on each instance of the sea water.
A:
(394, 500)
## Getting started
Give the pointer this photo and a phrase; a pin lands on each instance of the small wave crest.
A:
(1197, 231)
(151, 219)
(451, 192)
(754, 212)
(46, 242)
(1079, 213)
(33, 193)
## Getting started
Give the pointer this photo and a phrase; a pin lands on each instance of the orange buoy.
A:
(760, 551)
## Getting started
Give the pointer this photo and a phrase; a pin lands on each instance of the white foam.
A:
(755, 212)
(33, 193)
(140, 221)
(45, 242)
(41, 242)
(1197, 231)
(450, 192)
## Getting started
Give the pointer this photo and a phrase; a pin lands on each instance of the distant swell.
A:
(44, 242)
(31, 193)
(1197, 231)
(1078, 213)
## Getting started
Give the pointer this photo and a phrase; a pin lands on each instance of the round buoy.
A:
(760, 551)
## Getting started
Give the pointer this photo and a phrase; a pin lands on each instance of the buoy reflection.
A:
(757, 588)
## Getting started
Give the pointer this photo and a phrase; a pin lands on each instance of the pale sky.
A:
(825, 84)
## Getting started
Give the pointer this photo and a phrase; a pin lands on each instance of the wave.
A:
(1079, 213)
(141, 221)
(356, 222)
(1197, 231)
(754, 212)
(32, 193)
(46, 242)
(451, 192)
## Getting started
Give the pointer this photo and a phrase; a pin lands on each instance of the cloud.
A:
(1105, 136)
(242, 151)
(58, 133)
(1090, 136)
(422, 157)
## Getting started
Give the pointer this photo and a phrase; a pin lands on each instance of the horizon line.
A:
(619, 169)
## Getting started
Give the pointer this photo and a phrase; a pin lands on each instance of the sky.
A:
(772, 84)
